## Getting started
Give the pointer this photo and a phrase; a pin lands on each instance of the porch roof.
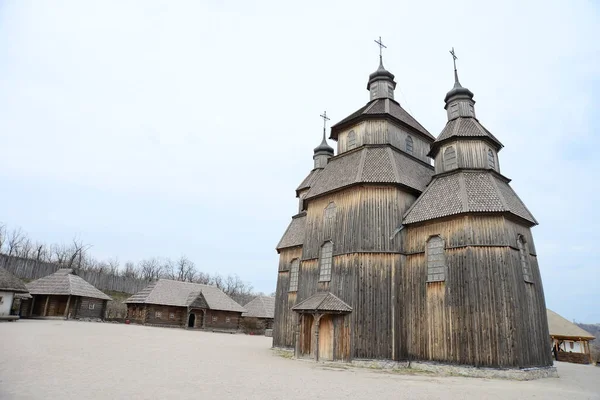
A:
(322, 301)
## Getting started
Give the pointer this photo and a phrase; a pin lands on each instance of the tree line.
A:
(77, 255)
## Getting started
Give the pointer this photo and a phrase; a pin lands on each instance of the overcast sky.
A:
(162, 128)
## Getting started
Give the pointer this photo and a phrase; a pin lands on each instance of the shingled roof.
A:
(466, 127)
(323, 301)
(10, 283)
(310, 179)
(466, 191)
(260, 307)
(64, 283)
(182, 294)
(560, 326)
(381, 108)
(371, 164)
(294, 234)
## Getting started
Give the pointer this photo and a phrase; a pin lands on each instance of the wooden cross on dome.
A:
(381, 47)
(325, 119)
(454, 58)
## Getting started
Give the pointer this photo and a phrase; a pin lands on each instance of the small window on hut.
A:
(325, 260)
(450, 158)
(409, 144)
(227, 319)
(294, 271)
(171, 315)
(491, 159)
(351, 140)
(91, 306)
(157, 314)
(436, 260)
(524, 258)
(214, 319)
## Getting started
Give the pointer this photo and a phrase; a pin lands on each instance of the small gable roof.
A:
(183, 294)
(260, 307)
(560, 326)
(323, 301)
(64, 282)
(10, 283)
(466, 191)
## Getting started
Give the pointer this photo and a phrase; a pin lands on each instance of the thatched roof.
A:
(10, 283)
(260, 307)
(182, 294)
(64, 282)
(560, 326)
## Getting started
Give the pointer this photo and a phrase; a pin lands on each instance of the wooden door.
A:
(306, 333)
(326, 338)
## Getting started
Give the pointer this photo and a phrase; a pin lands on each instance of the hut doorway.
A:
(307, 327)
(326, 338)
(192, 320)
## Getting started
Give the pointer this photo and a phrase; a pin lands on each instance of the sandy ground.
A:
(86, 360)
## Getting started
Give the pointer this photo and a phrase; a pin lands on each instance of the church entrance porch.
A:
(323, 328)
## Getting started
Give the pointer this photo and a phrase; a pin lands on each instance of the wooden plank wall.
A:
(222, 321)
(469, 154)
(83, 307)
(485, 314)
(284, 322)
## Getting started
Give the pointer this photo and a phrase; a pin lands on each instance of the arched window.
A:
(524, 258)
(351, 140)
(436, 260)
(294, 271)
(491, 159)
(409, 144)
(450, 158)
(329, 220)
(325, 260)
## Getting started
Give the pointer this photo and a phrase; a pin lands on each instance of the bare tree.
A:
(3, 236)
(150, 269)
(130, 270)
(15, 241)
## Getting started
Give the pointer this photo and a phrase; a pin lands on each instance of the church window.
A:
(436, 260)
(491, 159)
(454, 110)
(390, 92)
(351, 140)
(294, 271)
(409, 144)
(450, 158)
(329, 220)
(325, 262)
(524, 258)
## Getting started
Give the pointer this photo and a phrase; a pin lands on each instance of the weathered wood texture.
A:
(283, 324)
(222, 320)
(166, 315)
(469, 154)
(382, 131)
(578, 358)
(484, 314)
(61, 306)
(365, 219)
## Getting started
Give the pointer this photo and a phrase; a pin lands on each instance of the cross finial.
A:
(454, 58)
(381, 47)
(325, 119)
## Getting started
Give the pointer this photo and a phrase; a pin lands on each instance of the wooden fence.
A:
(32, 269)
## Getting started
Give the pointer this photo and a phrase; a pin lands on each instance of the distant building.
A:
(570, 343)
(184, 304)
(11, 287)
(261, 308)
(64, 294)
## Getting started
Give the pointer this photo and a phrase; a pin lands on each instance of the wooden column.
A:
(317, 318)
(32, 304)
(46, 306)
(297, 335)
(67, 308)
(203, 318)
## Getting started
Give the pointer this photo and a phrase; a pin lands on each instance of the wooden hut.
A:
(262, 310)
(422, 262)
(184, 304)
(570, 343)
(64, 294)
(11, 289)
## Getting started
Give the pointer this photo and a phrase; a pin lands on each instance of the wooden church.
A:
(411, 247)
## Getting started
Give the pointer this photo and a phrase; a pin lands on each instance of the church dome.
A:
(380, 74)
(324, 147)
(458, 92)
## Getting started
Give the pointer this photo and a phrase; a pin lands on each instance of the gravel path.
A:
(86, 360)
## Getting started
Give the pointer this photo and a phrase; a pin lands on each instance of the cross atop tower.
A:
(381, 47)
(325, 119)
(454, 58)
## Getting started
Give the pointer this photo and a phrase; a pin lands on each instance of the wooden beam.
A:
(67, 308)
(31, 308)
(46, 306)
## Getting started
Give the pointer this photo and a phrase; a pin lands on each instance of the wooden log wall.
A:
(484, 314)
(382, 131)
(284, 322)
(365, 219)
(217, 319)
(166, 315)
(84, 311)
(469, 154)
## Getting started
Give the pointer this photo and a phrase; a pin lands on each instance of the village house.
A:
(262, 310)
(64, 294)
(11, 289)
(570, 343)
(407, 246)
(184, 304)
